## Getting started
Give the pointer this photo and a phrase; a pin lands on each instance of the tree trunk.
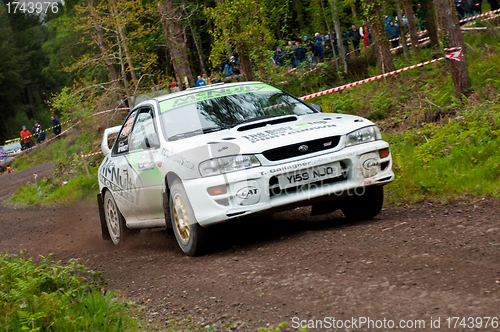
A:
(412, 24)
(338, 32)
(175, 41)
(430, 21)
(402, 32)
(103, 45)
(172, 50)
(123, 43)
(198, 49)
(298, 8)
(450, 30)
(324, 16)
(382, 49)
(246, 65)
(353, 10)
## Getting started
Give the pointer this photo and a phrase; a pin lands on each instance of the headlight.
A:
(363, 135)
(228, 164)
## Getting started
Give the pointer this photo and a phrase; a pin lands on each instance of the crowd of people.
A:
(38, 133)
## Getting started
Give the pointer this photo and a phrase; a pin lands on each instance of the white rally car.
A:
(195, 158)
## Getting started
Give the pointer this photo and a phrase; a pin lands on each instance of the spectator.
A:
(494, 4)
(200, 82)
(460, 9)
(354, 34)
(328, 48)
(469, 8)
(420, 17)
(299, 53)
(345, 41)
(206, 79)
(227, 71)
(233, 64)
(38, 132)
(387, 20)
(125, 101)
(279, 57)
(310, 51)
(393, 33)
(333, 38)
(56, 126)
(26, 138)
(364, 32)
(478, 4)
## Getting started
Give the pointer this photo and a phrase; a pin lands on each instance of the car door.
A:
(121, 174)
(142, 156)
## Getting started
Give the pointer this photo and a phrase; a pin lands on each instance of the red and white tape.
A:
(408, 35)
(452, 56)
(480, 15)
(409, 44)
(91, 154)
(114, 109)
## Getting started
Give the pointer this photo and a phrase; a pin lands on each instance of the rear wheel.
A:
(190, 236)
(114, 219)
(365, 206)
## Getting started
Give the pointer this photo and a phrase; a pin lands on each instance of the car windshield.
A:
(212, 110)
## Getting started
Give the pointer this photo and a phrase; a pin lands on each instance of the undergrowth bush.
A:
(50, 297)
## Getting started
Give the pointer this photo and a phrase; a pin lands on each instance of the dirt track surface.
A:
(407, 264)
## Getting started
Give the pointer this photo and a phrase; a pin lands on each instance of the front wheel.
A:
(366, 205)
(114, 219)
(190, 236)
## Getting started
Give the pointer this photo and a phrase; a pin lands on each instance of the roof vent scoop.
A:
(268, 122)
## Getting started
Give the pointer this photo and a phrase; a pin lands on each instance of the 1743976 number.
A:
(32, 7)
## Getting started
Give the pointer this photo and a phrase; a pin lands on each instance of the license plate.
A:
(309, 175)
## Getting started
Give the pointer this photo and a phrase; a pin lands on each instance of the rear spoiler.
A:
(104, 144)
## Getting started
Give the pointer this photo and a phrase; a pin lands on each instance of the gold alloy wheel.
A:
(112, 218)
(181, 218)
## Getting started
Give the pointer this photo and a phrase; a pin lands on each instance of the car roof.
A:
(200, 88)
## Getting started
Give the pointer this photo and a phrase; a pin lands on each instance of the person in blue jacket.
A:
(393, 33)
(200, 82)
(56, 126)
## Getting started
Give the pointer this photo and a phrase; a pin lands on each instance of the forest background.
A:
(85, 55)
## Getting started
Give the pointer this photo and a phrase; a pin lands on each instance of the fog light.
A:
(217, 190)
(383, 153)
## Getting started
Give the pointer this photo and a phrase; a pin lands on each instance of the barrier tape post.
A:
(86, 168)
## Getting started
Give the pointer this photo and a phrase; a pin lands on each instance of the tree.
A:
(380, 41)
(402, 31)
(338, 32)
(171, 19)
(240, 25)
(430, 21)
(451, 35)
(413, 26)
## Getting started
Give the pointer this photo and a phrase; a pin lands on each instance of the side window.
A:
(144, 135)
(122, 142)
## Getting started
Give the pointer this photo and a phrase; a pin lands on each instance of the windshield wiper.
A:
(213, 129)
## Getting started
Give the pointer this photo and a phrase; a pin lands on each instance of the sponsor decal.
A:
(247, 195)
(121, 184)
(178, 159)
(369, 163)
(247, 192)
(146, 162)
(211, 94)
(284, 131)
(223, 148)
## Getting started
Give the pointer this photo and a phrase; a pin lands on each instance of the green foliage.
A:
(240, 25)
(446, 162)
(50, 297)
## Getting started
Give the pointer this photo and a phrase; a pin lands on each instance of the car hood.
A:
(258, 136)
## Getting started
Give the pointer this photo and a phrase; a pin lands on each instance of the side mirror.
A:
(316, 107)
(150, 142)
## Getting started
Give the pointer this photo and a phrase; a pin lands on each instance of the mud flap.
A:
(102, 216)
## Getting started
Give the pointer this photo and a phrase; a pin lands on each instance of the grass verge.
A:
(49, 296)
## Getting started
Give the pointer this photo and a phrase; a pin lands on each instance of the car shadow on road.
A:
(255, 232)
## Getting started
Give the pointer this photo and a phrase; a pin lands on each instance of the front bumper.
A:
(259, 189)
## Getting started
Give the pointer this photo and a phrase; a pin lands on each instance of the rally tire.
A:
(115, 222)
(191, 237)
(364, 204)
